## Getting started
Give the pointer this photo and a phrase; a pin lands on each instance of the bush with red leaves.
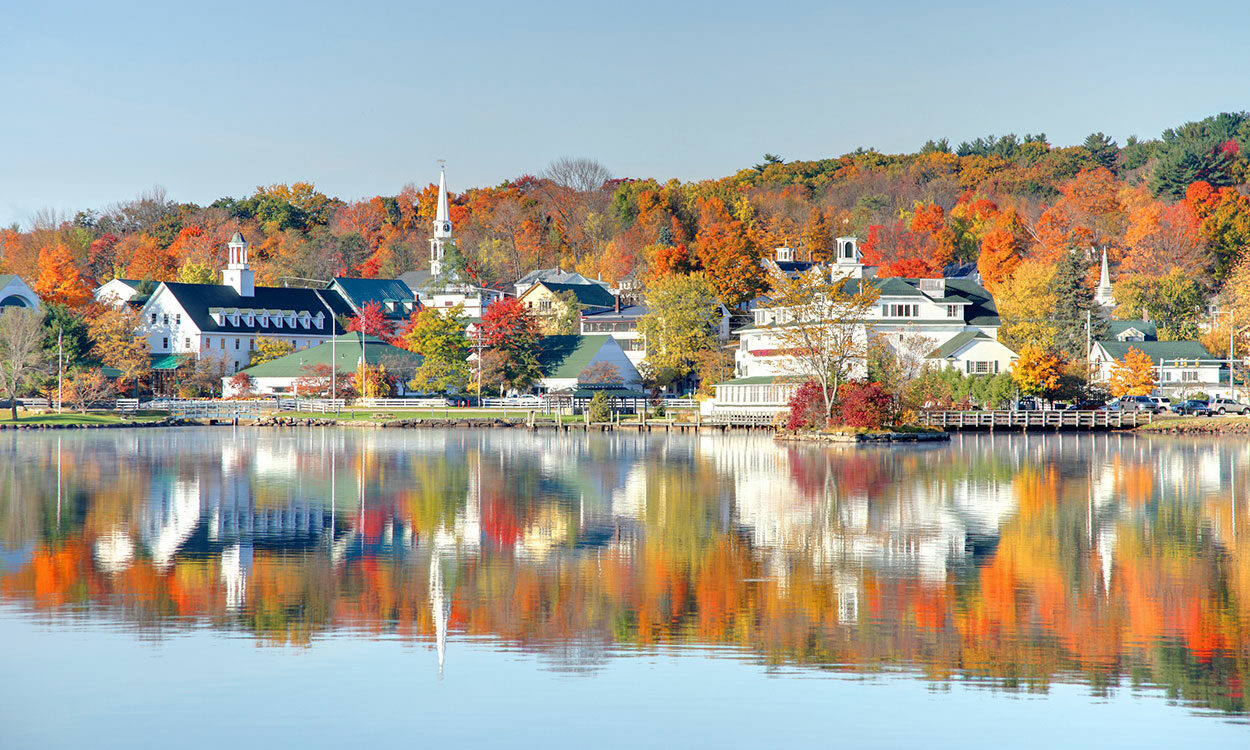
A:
(864, 405)
(807, 408)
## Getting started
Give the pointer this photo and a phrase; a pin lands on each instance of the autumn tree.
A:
(438, 335)
(241, 385)
(817, 237)
(268, 349)
(1023, 301)
(21, 351)
(87, 387)
(683, 315)
(918, 248)
(1162, 238)
(1134, 375)
(729, 256)
(60, 281)
(118, 342)
(1037, 372)
(1174, 302)
(512, 336)
(821, 327)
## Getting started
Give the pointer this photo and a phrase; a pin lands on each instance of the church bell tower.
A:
(442, 227)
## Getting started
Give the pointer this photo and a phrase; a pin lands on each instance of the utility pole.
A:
(1088, 331)
(60, 372)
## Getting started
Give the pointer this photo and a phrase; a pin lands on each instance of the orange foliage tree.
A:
(1134, 375)
(59, 278)
(1037, 371)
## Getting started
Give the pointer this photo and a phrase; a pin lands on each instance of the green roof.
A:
(955, 344)
(591, 295)
(1117, 327)
(762, 380)
(168, 361)
(1158, 350)
(346, 350)
(566, 356)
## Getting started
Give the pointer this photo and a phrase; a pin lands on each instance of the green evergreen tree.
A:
(1103, 149)
(1073, 299)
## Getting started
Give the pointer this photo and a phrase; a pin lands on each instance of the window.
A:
(952, 311)
(981, 367)
(1189, 376)
(177, 319)
(186, 343)
(251, 345)
(153, 318)
(165, 319)
(236, 343)
(165, 343)
(900, 311)
(223, 343)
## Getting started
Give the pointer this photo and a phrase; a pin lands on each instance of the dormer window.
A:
(263, 318)
(303, 319)
(234, 319)
(249, 318)
(933, 287)
(277, 320)
(319, 321)
(290, 320)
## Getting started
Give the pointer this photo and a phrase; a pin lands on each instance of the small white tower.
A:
(848, 260)
(1103, 296)
(237, 273)
(442, 227)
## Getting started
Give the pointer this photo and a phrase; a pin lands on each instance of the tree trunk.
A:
(13, 408)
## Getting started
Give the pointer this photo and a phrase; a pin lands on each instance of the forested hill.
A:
(1172, 205)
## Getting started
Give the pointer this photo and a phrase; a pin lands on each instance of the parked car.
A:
(1134, 403)
(1085, 405)
(1162, 403)
(1228, 406)
(1193, 407)
(1027, 404)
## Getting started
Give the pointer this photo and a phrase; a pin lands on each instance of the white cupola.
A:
(237, 273)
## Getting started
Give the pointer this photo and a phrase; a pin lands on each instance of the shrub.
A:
(807, 408)
(865, 405)
(600, 407)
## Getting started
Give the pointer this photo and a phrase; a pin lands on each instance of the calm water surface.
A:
(194, 588)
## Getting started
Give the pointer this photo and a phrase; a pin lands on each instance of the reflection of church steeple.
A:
(440, 607)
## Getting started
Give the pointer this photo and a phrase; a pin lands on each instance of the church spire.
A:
(442, 225)
(1103, 295)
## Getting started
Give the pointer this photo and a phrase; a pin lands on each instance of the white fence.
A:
(681, 403)
(514, 402)
(405, 403)
(318, 405)
(126, 404)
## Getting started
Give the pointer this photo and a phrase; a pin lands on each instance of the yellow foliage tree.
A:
(1134, 375)
(1023, 300)
(1037, 371)
(267, 349)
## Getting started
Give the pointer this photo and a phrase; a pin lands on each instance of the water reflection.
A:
(1012, 561)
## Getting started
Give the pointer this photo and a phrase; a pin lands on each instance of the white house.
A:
(224, 320)
(117, 292)
(568, 361)
(951, 323)
(15, 293)
(1181, 367)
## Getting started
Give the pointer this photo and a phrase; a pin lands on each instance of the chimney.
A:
(616, 303)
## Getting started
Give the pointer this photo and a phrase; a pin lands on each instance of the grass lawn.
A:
(74, 418)
(1214, 424)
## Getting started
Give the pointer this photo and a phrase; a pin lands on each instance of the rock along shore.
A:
(858, 437)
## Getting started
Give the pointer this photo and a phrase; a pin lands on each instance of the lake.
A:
(480, 588)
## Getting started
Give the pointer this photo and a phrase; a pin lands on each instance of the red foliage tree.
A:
(807, 407)
(865, 405)
(372, 321)
(507, 324)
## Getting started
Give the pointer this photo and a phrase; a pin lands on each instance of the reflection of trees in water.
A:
(1019, 561)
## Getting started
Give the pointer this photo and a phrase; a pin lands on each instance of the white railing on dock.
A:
(1055, 419)
(316, 405)
(514, 402)
(680, 403)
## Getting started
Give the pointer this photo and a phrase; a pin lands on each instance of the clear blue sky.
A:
(104, 100)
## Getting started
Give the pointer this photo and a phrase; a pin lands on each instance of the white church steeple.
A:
(442, 226)
(237, 273)
(1103, 296)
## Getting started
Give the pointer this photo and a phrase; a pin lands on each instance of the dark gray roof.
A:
(416, 280)
(360, 292)
(238, 237)
(198, 299)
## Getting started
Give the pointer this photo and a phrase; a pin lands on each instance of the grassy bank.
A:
(69, 419)
(1198, 426)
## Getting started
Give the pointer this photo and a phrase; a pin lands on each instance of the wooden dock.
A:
(1035, 420)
